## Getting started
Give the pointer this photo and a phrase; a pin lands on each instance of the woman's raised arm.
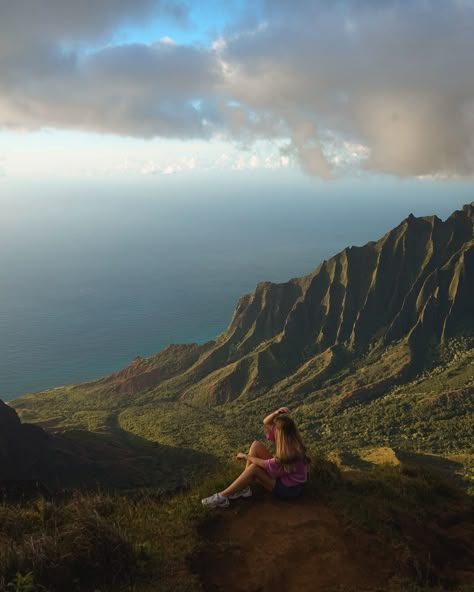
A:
(269, 419)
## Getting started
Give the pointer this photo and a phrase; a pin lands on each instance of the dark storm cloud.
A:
(395, 77)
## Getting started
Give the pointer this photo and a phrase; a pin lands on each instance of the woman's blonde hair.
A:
(289, 445)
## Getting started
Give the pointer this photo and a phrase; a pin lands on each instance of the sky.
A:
(253, 121)
(328, 88)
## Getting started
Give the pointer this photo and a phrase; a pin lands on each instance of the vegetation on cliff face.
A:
(375, 347)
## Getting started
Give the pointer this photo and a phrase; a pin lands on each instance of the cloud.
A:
(138, 90)
(382, 84)
(50, 77)
(30, 24)
(396, 77)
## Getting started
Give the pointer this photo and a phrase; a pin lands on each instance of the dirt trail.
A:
(277, 546)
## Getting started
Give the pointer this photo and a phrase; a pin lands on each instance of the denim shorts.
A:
(282, 491)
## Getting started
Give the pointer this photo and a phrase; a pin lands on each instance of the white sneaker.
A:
(215, 501)
(247, 492)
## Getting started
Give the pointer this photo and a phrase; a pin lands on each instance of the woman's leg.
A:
(258, 449)
(248, 475)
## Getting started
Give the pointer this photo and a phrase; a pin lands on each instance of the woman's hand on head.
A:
(241, 456)
(269, 419)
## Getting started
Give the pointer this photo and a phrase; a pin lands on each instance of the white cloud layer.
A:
(384, 83)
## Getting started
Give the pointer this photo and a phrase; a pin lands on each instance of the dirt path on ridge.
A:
(276, 546)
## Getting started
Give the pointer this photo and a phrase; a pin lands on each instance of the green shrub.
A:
(22, 583)
(323, 476)
(58, 544)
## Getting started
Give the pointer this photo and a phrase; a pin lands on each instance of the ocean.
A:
(96, 272)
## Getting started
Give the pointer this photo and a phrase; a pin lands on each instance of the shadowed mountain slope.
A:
(33, 460)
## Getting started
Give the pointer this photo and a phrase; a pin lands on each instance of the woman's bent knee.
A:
(256, 444)
(253, 469)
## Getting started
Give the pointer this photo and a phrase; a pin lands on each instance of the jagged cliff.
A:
(413, 288)
(415, 284)
(387, 304)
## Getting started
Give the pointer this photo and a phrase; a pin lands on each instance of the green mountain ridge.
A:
(336, 344)
(411, 285)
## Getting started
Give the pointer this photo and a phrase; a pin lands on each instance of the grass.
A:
(104, 541)
(45, 544)
(145, 541)
(389, 496)
(404, 505)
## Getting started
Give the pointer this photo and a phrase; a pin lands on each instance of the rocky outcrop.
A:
(22, 447)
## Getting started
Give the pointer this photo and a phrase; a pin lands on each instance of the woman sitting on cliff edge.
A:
(283, 474)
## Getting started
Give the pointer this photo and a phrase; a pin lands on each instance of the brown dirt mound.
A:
(298, 546)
